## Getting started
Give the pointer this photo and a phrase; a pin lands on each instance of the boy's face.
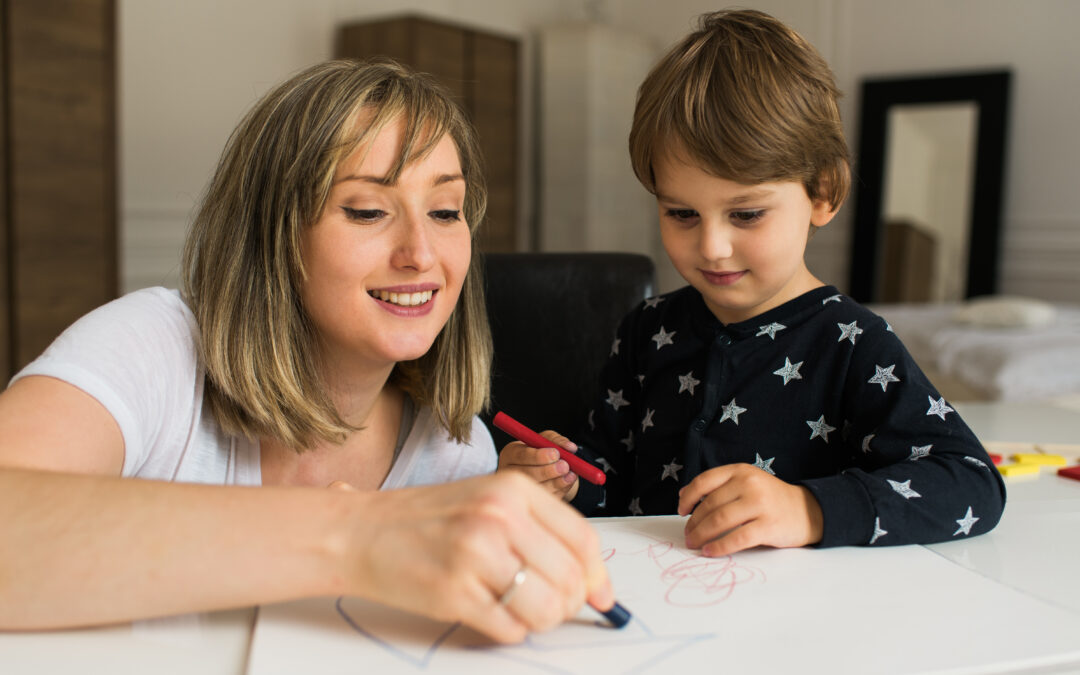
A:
(741, 246)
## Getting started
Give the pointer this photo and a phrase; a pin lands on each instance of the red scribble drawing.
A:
(694, 580)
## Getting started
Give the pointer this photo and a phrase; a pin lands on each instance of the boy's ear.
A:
(822, 212)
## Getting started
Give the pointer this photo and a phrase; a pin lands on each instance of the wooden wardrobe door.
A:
(60, 157)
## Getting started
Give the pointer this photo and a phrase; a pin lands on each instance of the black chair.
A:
(553, 318)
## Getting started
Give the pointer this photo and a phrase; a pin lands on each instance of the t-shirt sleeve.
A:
(137, 357)
(919, 474)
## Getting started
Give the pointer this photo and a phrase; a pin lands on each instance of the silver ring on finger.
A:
(515, 583)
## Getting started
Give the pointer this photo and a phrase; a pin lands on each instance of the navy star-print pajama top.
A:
(819, 392)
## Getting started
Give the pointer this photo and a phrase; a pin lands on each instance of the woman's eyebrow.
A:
(386, 182)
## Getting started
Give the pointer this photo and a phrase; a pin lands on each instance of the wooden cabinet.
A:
(481, 70)
(58, 247)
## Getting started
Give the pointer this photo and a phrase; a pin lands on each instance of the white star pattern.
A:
(938, 407)
(635, 507)
(731, 412)
(603, 500)
(820, 428)
(790, 371)
(849, 331)
(866, 442)
(764, 464)
(903, 489)
(770, 329)
(628, 441)
(976, 461)
(965, 523)
(832, 298)
(651, 303)
(919, 451)
(671, 470)
(592, 420)
(641, 380)
(615, 347)
(883, 376)
(663, 338)
(647, 422)
(888, 327)
(878, 531)
(615, 399)
(605, 465)
(687, 383)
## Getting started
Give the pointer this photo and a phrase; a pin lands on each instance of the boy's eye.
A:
(682, 214)
(446, 215)
(746, 217)
(363, 215)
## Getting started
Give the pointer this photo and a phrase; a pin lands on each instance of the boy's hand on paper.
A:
(739, 506)
(543, 465)
(452, 551)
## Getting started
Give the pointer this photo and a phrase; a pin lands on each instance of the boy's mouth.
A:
(723, 278)
(403, 299)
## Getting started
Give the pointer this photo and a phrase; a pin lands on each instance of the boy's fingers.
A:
(742, 538)
(519, 454)
(560, 440)
(703, 485)
(713, 520)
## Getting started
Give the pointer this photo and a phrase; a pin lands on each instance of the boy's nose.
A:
(715, 243)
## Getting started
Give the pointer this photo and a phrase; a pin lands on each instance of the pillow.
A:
(1005, 311)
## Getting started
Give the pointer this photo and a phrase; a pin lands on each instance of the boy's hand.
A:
(742, 506)
(543, 464)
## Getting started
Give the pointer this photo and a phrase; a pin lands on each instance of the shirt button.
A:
(699, 425)
(724, 340)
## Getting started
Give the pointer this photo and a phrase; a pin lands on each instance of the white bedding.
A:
(1011, 364)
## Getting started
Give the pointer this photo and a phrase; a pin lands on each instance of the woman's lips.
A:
(723, 278)
(416, 303)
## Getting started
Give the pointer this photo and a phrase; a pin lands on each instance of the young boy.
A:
(766, 404)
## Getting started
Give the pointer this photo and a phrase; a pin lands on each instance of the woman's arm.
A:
(84, 549)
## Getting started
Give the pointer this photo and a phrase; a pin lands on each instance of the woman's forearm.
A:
(83, 550)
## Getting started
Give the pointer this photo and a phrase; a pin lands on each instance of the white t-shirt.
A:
(137, 356)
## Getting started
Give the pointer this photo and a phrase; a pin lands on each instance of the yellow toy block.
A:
(1039, 458)
(1008, 470)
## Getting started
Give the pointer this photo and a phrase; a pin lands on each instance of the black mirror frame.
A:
(990, 90)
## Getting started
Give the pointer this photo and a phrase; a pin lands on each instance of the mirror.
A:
(928, 187)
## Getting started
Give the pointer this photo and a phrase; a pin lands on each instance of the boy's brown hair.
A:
(748, 100)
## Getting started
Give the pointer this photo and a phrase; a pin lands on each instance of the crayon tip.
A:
(617, 615)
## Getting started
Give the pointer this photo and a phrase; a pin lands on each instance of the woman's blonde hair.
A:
(242, 264)
(749, 100)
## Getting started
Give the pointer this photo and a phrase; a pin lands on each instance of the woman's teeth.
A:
(403, 299)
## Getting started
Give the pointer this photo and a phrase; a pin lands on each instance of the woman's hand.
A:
(739, 506)
(543, 465)
(452, 551)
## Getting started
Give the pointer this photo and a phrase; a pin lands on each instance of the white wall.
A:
(189, 69)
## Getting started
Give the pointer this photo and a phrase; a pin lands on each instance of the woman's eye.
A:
(363, 215)
(746, 217)
(682, 214)
(446, 215)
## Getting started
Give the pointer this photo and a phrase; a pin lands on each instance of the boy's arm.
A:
(919, 474)
(607, 438)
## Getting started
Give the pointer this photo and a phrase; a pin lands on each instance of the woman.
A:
(331, 333)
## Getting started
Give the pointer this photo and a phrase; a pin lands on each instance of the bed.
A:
(993, 348)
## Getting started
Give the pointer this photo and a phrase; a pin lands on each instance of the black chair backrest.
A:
(553, 318)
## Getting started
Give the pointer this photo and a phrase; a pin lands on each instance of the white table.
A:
(1034, 549)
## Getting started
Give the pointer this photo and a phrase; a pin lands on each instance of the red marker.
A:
(535, 440)
(1070, 472)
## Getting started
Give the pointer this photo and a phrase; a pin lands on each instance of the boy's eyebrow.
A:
(743, 198)
(386, 182)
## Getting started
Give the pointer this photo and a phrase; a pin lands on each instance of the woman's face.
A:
(386, 260)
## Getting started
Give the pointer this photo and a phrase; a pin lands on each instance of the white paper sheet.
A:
(846, 610)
